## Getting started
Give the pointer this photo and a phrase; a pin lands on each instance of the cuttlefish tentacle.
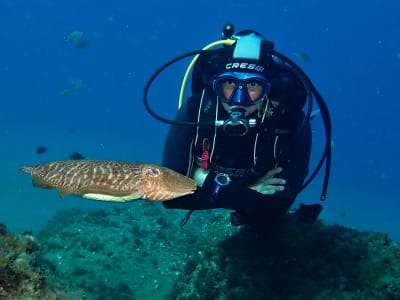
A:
(109, 180)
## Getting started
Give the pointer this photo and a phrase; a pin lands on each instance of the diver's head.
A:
(240, 77)
(240, 80)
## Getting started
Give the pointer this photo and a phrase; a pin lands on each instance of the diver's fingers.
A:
(268, 192)
(273, 172)
(269, 185)
(274, 181)
(276, 188)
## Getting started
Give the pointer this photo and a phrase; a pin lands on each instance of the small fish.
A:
(108, 180)
(74, 36)
(379, 89)
(302, 55)
(111, 19)
(77, 84)
(64, 92)
(76, 156)
(41, 150)
(81, 44)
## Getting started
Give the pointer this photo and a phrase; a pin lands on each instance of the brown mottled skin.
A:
(114, 178)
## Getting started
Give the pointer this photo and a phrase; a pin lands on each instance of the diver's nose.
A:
(237, 97)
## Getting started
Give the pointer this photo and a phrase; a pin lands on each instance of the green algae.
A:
(293, 260)
(137, 253)
(20, 278)
(141, 252)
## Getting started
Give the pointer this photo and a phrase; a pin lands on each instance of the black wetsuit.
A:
(293, 151)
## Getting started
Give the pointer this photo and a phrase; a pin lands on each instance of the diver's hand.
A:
(268, 185)
(199, 176)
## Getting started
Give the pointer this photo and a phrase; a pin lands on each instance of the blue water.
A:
(354, 61)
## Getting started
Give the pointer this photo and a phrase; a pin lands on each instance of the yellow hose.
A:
(189, 69)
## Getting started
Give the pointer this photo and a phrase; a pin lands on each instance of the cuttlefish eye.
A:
(152, 172)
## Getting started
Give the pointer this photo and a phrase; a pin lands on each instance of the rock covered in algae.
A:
(134, 252)
(142, 253)
(294, 260)
(19, 276)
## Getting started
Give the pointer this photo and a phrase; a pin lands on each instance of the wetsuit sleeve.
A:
(265, 208)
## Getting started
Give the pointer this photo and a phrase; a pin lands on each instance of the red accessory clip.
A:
(205, 156)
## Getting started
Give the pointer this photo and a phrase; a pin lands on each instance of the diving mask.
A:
(238, 88)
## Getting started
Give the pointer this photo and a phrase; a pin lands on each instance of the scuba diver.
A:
(244, 134)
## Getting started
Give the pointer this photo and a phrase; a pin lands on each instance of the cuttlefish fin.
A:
(63, 192)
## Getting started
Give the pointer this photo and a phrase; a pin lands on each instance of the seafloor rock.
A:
(140, 252)
(294, 260)
(19, 276)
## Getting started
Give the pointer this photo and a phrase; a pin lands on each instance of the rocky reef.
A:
(135, 253)
(140, 252)
(293, 260)
(20, 278)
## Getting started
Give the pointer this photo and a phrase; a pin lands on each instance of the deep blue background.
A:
(354, 50)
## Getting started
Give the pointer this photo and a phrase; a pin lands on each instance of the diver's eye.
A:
(253, 84)
(229, 83)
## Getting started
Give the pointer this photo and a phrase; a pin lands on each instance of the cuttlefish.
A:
(108, 180)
